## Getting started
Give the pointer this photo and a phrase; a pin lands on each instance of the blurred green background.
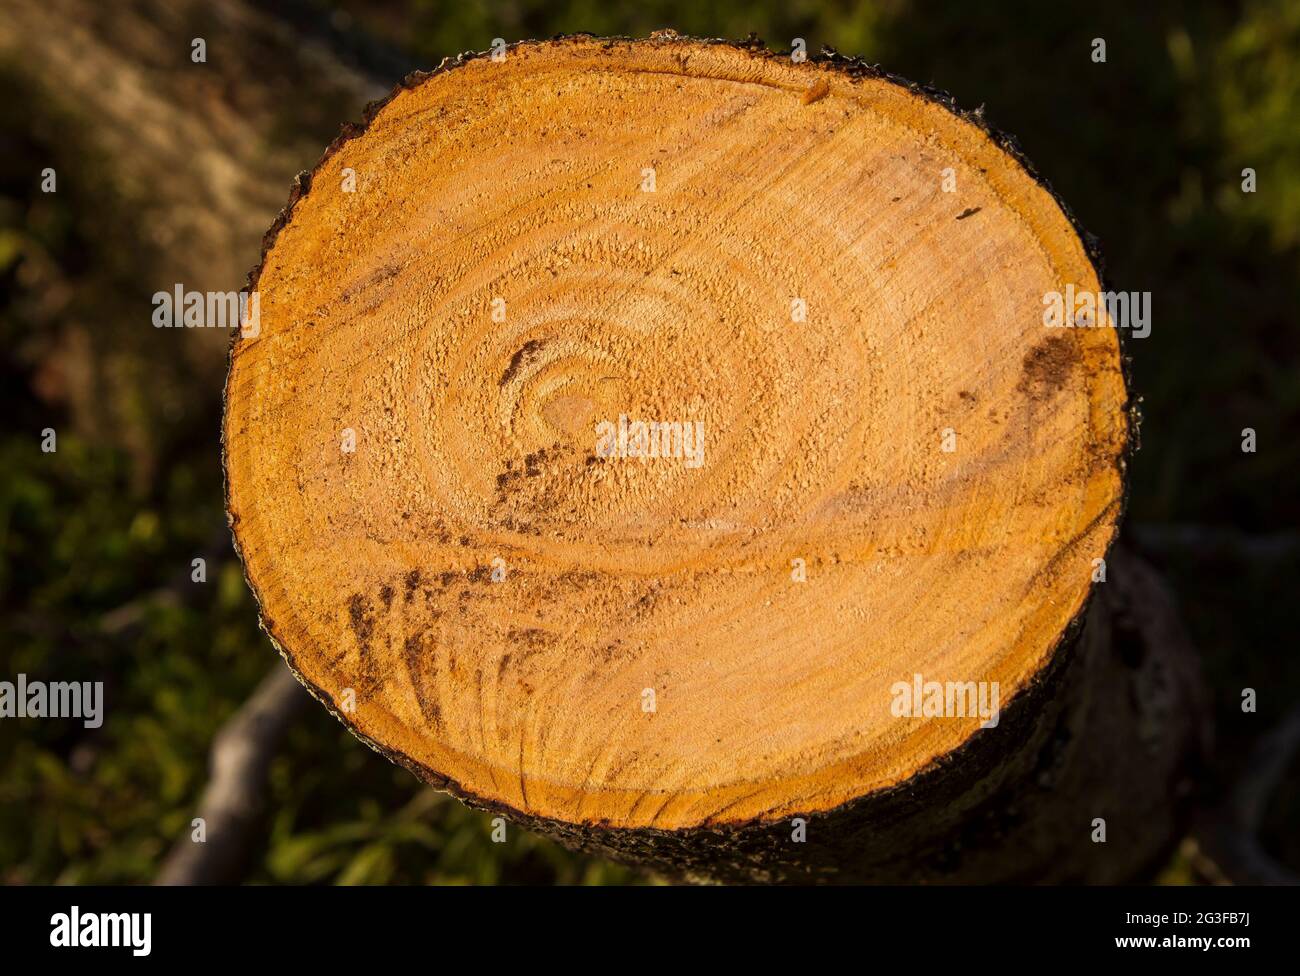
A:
(97, 539)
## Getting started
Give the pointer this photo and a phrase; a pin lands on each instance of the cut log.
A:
(866, 469)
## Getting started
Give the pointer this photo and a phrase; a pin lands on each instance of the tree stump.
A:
(660, 442)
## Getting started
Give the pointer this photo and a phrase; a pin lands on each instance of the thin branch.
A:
(1227, 840)
(232, 803)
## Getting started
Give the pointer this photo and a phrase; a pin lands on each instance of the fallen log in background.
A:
(186, 163)
(902, 472)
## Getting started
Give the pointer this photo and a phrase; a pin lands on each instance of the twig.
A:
(1227, 840)
(232, 802)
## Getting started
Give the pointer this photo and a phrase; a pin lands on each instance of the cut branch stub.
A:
(884, 464)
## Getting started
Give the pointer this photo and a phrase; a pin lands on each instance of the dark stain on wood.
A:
(361, 617)
(1047, 367)
(416, 661)
(521, 355)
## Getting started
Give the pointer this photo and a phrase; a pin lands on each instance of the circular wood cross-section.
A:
(872, 459)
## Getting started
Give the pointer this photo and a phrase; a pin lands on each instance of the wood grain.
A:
(524, 180)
